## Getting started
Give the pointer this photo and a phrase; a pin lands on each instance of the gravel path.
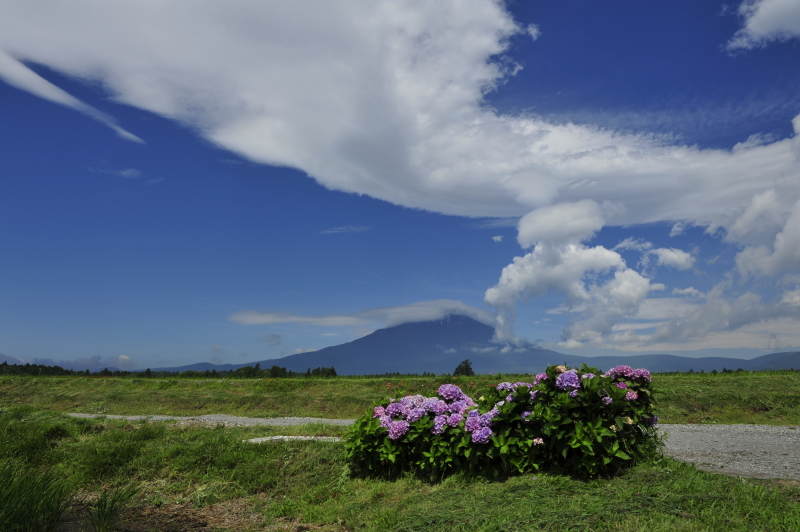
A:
(758, 451)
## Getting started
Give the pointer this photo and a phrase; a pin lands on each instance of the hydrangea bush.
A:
(579, 421)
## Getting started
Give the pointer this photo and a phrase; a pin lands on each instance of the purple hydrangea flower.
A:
(588, 376)
(412, 401)
(473, 424)
(438, 424)
(482, 435)
(487, 418)
(454, 419)
(621, 385)
(529, 385)
(568, 380)
(510, 398)
(538, 441)
(461, 407)
(435, 405)
(473, 413)
(386, 422)
(378, 412)
(619, 371)
(505, 387)
(415, 414)
(534, 395)
(398, 429)
(394, 410)
(607, 400)
(651, 421)
(451, 392)
(641, 375)
(631, 396)
(525, 416)
(539, 378)
(573, 393)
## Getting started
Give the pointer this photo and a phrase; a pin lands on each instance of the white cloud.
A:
(691, 291)
(636, 244)
(564, 222)
(677, 229)
(127, 173)
(373, 98)
(17, 74)
(345, 229)
(298, 350)
(498, 238)
(782, 256)
(387, 316)
(765, 21)
(534, 31)
(674, 258)
(594, 307)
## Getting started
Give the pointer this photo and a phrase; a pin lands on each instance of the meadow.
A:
(199, 478)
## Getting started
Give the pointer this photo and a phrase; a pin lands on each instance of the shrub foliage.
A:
(574, 420)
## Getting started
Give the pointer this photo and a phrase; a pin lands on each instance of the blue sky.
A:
(187, 182)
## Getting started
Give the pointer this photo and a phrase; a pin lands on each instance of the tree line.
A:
(247, 372)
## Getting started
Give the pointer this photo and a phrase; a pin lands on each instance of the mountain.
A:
(10, 360)
(439, 346)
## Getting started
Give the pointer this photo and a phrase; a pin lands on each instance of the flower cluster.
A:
(568, 381)
(449, 411)
(628, 372)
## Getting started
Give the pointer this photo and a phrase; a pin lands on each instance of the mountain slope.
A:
(439, 346)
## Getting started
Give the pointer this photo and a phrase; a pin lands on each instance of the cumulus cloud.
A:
(675, 258)
(534, 31)
(387, 316)
(782, 256)
(560, 263)
(677, 229)
(766, 21)
(498, 238)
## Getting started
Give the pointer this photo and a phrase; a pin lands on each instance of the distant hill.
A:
(439, 346)
(10, 360)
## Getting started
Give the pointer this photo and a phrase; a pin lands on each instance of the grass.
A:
(194, 478)
(202, 478)
(749, 397)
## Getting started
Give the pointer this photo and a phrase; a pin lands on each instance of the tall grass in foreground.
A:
(31, 500)
(106, 511)
(209, 475)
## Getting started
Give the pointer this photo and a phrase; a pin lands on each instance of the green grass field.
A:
(771, 398)
(192, 478)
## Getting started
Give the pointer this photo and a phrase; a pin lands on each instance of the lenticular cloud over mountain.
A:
(387, 99)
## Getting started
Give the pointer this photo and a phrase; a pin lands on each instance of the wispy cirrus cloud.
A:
(345, 229)
(127, 173)
(386, 316)
(16, 73)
